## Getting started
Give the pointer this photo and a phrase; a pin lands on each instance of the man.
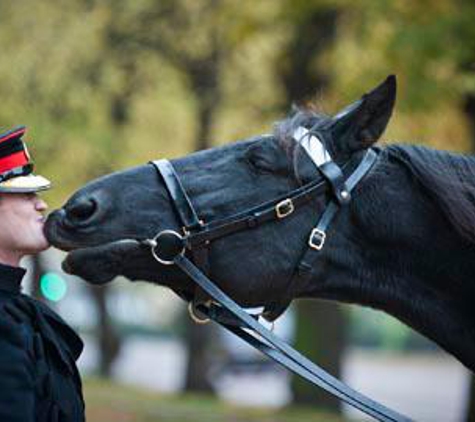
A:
(39, 380)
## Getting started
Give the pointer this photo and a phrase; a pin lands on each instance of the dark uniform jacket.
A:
(39, 380)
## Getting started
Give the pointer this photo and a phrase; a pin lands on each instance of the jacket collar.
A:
(10, 278)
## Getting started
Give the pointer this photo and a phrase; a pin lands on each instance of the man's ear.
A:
(361, 124)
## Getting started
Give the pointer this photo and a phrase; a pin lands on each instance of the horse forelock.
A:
(303, 116)
(284, 132)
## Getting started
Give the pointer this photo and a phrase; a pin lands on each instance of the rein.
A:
(170, 247)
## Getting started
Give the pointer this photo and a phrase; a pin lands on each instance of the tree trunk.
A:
(316, 337)
(320, 335)
(300, 75)
(107, 337)
(200, 337)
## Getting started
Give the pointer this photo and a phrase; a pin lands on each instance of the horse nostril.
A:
(81, 210)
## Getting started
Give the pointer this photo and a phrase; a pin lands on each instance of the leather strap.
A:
(318, 234)
(229, 314)
(255, 216)
(180, 199)
(336, 178)
(187, 216)
(282, 352)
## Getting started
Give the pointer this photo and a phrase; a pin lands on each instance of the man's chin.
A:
(35, 247)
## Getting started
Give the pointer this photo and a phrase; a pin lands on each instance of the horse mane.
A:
(448, 178)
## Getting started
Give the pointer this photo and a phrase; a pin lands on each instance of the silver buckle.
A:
(284, 208)
(153, 244)
(317, 239)
(193, 313)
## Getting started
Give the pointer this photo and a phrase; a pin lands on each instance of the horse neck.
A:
(435, 305)
(427, 283)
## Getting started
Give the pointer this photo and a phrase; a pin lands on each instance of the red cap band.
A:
(18, 159)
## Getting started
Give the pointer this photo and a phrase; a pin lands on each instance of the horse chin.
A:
(100, 264)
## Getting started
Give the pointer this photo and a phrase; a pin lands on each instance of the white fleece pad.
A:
(313, 146)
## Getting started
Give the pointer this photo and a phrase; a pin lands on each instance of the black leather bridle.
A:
(170, 247)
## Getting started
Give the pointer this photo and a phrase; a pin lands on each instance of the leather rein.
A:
(170, 247)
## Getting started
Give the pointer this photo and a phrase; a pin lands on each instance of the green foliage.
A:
(108, 84)
(102, 84)
(429, 45)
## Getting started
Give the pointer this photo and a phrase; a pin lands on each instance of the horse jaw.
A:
(100, 264)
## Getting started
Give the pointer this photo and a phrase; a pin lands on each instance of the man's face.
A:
(21, 223)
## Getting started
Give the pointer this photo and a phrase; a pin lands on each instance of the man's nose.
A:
(41, 205)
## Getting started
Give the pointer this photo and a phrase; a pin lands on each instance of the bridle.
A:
(170, 247)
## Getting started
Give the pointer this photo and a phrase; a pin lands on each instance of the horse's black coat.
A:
(404, 245)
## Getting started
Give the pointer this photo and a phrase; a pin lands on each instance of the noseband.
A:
(170, 247)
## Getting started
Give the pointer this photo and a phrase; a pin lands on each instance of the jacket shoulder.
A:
(14, 327)
(17, 369)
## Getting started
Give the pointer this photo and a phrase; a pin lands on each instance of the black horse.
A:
(405, 243)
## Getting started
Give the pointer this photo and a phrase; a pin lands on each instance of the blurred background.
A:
(103, 85)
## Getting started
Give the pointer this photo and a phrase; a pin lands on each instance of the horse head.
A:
(380, 249)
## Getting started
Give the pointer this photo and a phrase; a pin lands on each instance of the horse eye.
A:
(259, 165)
(258, 160)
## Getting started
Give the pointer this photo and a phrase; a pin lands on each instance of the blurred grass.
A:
(106, 401)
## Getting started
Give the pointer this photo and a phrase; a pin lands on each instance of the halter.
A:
(169, 247)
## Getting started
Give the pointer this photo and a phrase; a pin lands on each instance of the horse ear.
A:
(361, 124)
